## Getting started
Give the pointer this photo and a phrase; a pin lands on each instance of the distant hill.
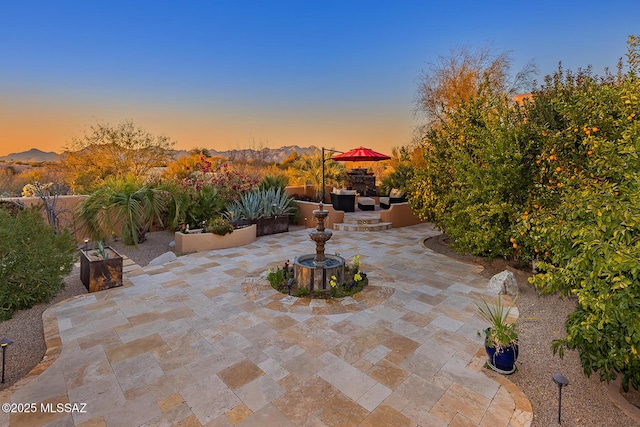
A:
(32, 156)
(267, 154)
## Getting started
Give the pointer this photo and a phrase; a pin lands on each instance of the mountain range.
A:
(267, 154)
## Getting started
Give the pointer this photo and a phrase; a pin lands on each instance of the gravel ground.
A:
(585, 401)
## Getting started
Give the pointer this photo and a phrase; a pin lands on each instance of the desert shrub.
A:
(203, 204)
(218, 225)
(274, 181)
(33, 260)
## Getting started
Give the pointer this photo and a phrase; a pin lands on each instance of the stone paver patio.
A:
(206, 341)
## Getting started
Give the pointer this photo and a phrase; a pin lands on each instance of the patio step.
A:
(361, 220)
(365, 225)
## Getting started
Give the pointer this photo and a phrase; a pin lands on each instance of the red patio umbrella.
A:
(360, 154)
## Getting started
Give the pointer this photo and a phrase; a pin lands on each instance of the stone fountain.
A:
(314, 271)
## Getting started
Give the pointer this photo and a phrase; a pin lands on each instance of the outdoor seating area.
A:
(200, 342)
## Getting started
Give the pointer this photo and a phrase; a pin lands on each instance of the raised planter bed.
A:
(98, 274)
(275, 225)
(196, 241)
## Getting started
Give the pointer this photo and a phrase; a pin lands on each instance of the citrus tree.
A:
(583, 225)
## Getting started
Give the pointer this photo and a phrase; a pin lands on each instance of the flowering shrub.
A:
(228, 183)
(208, 188)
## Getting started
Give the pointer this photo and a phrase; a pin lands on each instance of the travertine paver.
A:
(204, 340)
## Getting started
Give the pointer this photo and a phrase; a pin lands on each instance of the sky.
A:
(251, 74)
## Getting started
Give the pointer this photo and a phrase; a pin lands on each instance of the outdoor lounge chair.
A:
(395, 196)
(344, 200)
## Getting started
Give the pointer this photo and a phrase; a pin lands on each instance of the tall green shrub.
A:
(33, 260)
(584, 225)
(477, 174)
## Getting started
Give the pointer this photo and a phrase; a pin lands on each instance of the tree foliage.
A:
(584, 225)
(553, 179)
(307, 169)
(108, 151)
(456, 77)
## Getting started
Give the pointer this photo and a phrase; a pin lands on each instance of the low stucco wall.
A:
(306, 218)
(400, 215)
(195, 242)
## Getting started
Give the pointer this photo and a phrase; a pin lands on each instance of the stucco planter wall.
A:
(195, 242)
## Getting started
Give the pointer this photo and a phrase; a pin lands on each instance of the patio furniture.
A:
(366, 204)
(344, 200)
(395, 196)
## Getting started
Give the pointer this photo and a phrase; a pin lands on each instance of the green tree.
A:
(584, 222)
(108, 151)
(477, 172)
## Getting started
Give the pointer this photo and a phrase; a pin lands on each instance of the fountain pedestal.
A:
(314, 271)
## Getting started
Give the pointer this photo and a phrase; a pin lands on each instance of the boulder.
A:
(163, 259)
(504, 282)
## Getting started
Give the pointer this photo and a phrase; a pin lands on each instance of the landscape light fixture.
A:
(4, 342)
(561, 381)
(86, 244)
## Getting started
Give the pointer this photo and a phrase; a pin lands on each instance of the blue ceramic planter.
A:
(503, 359)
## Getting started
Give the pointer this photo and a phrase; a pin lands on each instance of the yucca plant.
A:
(500, 333)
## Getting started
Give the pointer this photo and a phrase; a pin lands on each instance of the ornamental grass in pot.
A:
(501, 337)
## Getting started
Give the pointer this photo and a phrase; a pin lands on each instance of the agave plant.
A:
(281, 204)
(252, 207)
(234, 212)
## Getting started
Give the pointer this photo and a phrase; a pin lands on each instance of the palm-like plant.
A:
(126, 204)
(308, 170)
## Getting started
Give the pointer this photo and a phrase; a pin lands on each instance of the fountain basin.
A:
(317, 277)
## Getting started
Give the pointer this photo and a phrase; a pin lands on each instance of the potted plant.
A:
(501, 337)
(100, 268)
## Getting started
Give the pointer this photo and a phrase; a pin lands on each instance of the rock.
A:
(504, 283)
(163, 259)
(172, 244)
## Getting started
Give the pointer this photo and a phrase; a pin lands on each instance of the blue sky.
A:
(245, 73)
